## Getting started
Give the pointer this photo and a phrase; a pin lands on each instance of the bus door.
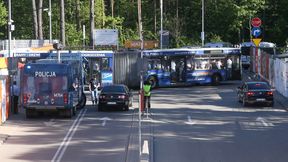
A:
(178, 69)
(236, 67)
(101, 67)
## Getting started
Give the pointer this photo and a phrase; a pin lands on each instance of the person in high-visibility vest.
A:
(147, 93)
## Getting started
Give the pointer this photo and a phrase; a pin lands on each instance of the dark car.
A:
(255, 92)
(115, 96)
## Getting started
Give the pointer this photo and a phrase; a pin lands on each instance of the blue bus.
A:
(185, 66)
(49, 84)
(99, 64)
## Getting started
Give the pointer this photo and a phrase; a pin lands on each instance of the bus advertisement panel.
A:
(192, 66)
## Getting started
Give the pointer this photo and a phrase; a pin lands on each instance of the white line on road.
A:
(62, 148)
(49, 123)
(145, 147)
(105, 120)
(264, 122)
(190, 122)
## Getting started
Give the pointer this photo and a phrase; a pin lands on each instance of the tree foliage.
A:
(225, 20)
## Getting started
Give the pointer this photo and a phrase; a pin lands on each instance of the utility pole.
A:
(50, 22)
(11, 56)
(62, 20)
(141, 76)
(161, 22)
(203, 33)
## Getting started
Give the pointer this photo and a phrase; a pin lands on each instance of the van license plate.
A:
(260, 99)
(111, 103)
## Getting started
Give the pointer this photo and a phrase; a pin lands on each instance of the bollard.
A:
(141, 100)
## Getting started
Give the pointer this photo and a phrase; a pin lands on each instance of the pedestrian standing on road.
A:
(15, 96)
(147, 94)
(93, 86)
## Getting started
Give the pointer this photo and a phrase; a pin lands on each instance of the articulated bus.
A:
(170, 67)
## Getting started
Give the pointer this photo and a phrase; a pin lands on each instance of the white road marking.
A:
(190, 122)
(49, 123)
(145, 147)
(264, 122)
(62, 148)
(104, 120)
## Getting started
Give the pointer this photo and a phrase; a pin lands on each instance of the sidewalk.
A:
(278, 97)
(10, 127)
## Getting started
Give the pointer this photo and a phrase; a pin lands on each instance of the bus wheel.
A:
(215, 79)
(82, 102)
(153, 81)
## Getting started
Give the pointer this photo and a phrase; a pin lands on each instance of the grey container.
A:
(127, 68)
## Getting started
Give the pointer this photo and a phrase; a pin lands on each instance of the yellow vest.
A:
(147, 90)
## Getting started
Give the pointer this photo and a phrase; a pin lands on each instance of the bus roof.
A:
(41, 54)
(217, 44)
(262, 44)
(191, 51)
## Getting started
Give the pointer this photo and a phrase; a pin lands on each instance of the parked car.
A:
(255, 92)
(115, 96)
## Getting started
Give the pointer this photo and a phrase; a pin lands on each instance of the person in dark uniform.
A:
(93, 85)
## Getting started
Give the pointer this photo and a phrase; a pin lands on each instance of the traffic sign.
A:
(256, 22)
(256, 41)
(256, 32)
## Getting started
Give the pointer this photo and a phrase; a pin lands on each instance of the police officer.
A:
(147, 93)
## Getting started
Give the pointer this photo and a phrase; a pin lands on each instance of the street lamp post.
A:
(49, 11)
(50, 22)
(161, 23)
(203, 33)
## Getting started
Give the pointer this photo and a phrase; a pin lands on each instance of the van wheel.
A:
(153, 81)
(215, 79)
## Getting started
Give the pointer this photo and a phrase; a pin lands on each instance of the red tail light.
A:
(65, 98)
(25, 98)
(270, 93)
(250, 93)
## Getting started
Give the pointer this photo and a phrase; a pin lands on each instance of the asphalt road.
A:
(208, 124)
(191, 124)
(89, 136)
